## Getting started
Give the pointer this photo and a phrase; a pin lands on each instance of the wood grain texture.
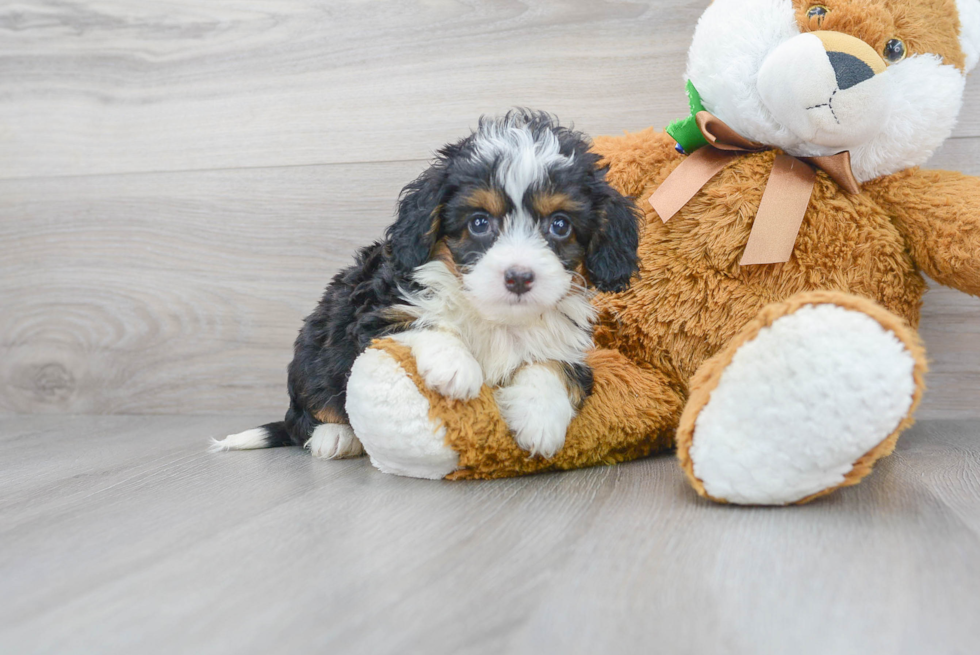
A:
(177, 292)
(121, 535)
(181, 290)
(108, 86)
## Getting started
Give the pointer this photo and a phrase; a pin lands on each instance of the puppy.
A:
(484, 275)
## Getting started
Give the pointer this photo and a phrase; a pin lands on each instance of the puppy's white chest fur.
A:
(562, 333)
(502, 349)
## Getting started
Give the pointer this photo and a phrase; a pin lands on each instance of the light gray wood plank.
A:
(951, 331)
(959, 154)
(132, 539)
(107, 87)
(102, 87)
(175, 293)
(183, 292)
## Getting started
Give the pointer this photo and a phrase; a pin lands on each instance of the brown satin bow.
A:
(784, 201)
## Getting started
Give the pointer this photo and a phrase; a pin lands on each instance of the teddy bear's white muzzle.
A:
(828, 91)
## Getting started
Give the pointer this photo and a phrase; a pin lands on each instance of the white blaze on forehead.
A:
(523, 159)
(520, 227)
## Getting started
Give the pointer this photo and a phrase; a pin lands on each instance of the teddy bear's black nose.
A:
(850, 70)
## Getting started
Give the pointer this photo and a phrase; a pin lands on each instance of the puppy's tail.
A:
(270, 435)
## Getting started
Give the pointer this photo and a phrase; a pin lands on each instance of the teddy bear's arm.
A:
(938, 213)
(409, 429)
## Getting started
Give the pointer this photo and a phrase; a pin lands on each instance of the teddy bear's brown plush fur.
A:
(664, 343)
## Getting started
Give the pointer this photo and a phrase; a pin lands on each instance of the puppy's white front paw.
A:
(538, 435)
(456, 376)
(445, 364)
(334, 441)
(537, 409)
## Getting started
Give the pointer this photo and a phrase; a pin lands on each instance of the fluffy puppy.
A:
(484, 274)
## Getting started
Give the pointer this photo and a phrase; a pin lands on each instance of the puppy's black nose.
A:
(518, 279)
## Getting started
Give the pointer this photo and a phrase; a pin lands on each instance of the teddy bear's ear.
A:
(970, 31)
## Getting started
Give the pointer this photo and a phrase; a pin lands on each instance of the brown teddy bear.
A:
(770, 335)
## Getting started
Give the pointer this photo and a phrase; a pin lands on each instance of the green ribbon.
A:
(686, 131)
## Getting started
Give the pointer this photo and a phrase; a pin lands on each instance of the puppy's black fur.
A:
(357, 305)
(354, 310)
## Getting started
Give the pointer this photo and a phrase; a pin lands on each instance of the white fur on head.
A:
(504, 329)
(524, 159)
(970, 31)
(917, 101)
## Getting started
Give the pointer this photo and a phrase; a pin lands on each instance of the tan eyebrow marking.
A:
(490, 200)
(546, 203)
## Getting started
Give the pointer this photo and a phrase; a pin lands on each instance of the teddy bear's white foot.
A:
(391, 418)
(793, 408)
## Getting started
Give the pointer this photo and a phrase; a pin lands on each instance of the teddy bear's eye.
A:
(894, 51)
(818, 12)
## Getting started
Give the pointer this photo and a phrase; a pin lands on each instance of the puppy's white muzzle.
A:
(491, 286)
(830, 89)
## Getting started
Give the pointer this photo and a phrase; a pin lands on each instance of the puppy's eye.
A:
(894, 51)
(818, 12)
(479, 225)
(560, 226)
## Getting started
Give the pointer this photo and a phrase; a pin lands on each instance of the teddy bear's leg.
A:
(410, 429)
(803, 401)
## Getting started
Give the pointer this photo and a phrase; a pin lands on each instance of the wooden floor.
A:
(122, 535)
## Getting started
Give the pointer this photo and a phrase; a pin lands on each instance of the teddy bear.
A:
(770, 335)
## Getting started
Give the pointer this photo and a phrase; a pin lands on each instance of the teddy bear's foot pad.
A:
(391, 418)
(800, 403)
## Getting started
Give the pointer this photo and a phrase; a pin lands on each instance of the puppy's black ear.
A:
(611, 258)
(416, 230)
